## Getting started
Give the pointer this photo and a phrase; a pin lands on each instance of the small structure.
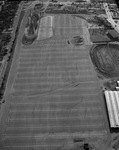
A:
(118, 83)
(117, 88)
(113, 35)
(112, 102)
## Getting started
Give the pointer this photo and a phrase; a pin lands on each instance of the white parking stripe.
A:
(57, 135)
(87, 124)
(26, 119)
(38, 110)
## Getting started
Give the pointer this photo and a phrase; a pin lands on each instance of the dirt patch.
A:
(98, 35)
(27, 41)
(31, 28)
(77, 41)
(110, 85)
(105, 58)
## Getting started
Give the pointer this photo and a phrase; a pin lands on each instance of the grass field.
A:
(55, 95)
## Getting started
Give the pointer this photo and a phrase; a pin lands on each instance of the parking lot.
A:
(55, 93)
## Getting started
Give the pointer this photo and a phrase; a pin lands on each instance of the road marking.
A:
(89, 100)
(56, 136)
(31, 146)
(18, 95)
(78, 101)
(92, 124)
(81, 118)
(37, 109)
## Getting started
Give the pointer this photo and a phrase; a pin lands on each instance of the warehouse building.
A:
(112, 102)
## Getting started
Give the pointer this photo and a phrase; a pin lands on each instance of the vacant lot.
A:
(98, 35)
(55, 93)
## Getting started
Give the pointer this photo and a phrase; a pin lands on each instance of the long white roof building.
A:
(112, 102)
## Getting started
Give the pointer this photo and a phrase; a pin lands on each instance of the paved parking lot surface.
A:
(55, 93)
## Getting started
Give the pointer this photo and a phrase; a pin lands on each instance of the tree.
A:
(31, 29)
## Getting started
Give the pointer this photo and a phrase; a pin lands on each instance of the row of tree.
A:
(7, 15)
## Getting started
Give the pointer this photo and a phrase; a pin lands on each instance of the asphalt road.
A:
(53, 92)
